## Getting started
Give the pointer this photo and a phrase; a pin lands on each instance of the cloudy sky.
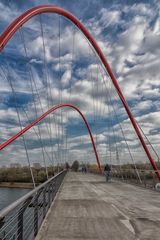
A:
(49, 61)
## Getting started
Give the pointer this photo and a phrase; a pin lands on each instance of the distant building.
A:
(37, 165)
(15, 165)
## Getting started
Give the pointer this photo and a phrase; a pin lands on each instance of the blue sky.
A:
(128, 33)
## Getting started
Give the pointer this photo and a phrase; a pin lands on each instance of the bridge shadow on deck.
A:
(87, 207)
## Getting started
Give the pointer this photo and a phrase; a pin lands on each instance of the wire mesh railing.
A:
(145, 178)
(22, 219)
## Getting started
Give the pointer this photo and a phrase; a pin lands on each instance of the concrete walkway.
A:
(88, 208)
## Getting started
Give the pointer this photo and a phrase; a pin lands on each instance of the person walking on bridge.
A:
(107, 171)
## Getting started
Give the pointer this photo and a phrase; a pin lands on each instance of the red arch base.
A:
(18, 22)
(12, 139)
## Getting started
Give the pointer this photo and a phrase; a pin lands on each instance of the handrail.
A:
(139, 169)
(13, 205)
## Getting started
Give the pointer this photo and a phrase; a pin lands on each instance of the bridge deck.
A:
(88, 208)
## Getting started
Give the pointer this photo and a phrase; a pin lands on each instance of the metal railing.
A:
(22, 219)
(142, 177)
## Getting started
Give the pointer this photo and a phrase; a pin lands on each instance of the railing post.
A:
(44, 202)
(20, 219)
(54, 187)
(49, 195)
(53, 190)
(20, 225)
(36, 216)
(36, 205)
(2, 222)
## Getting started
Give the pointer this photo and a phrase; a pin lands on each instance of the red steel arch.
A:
(18, 22)
(12, 139)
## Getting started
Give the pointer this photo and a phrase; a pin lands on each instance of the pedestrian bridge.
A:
(86, 207)
(52, 72)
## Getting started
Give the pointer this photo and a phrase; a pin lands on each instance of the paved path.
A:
(88, 208)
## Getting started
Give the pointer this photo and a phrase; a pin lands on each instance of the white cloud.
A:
(66, 78)
(109, 17)
(8, 13)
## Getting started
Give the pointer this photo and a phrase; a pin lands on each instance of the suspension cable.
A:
(31, 78)
(19, 120)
